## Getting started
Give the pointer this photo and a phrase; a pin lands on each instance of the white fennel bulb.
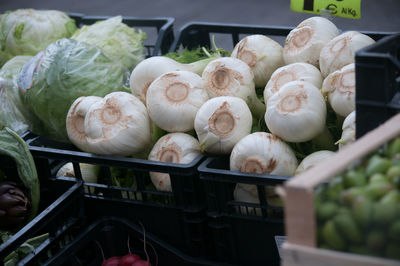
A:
(262, 54)
(304, 43)
(172, 148)
(341, 50)
(297, 112)
(348, 130)
(173, 100)
(261, 153)
(118, 125)
(340, 87)
(229, 76)
(296, 71)
(75, 122)
(313, 159)
(221, 122)
(149, 69)
(90, 173)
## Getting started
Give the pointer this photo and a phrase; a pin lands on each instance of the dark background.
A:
(376, 15)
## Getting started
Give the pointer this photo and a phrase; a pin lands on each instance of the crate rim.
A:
(170, 20)
(369, 51)
(224, 175)
(280, 29)
(187, 26)
(85, 157)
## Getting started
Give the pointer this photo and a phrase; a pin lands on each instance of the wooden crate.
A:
(300, 247)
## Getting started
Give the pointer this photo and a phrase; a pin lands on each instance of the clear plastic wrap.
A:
(66, 70)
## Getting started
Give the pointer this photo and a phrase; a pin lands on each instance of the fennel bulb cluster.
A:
(151, 68)
(340, 88)
(229, 76)
(291, 72)
(340, 51)
(117, 124)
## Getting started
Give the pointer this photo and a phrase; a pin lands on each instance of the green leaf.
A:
(13, 146)
(18, 31)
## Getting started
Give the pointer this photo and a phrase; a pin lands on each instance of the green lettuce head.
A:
(14, 112)
(66, 70)
(117, 40)
(28, 31)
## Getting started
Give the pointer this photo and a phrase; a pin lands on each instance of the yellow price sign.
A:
(338, 8)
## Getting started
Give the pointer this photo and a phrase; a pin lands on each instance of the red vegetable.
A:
(112, 261)
(130, 259)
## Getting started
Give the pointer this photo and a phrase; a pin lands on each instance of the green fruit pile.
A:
(359, 211)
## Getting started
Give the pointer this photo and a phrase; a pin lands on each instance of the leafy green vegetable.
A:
(66, 70)
(13, 146)
(28, 31)
(117, 40)
(334, 122)
(29, 246)
(186, 56)
(14, 112)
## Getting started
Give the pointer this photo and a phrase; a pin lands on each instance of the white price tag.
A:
(279, 242)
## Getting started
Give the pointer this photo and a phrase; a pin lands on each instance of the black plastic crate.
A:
(378, 83)
(80, 224)
(109, 236)
(244, 233)
(245, 237)
(58, 211)
(227, 35)
(159, 30)
(76, 16)
(181, 211)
